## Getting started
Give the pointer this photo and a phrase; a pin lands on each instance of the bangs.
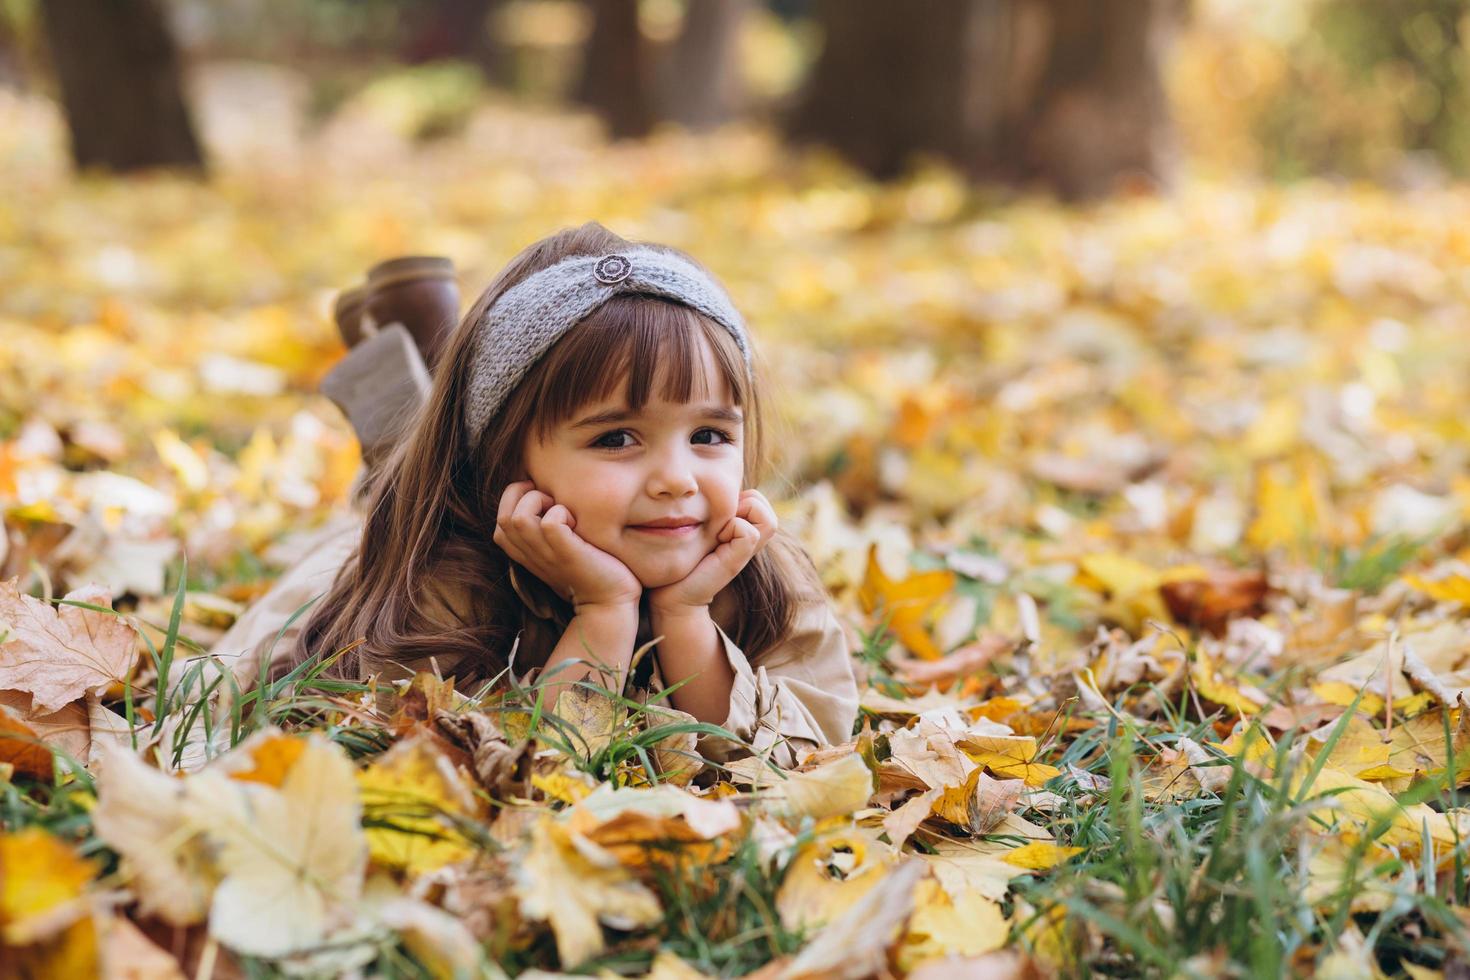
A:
(635, 341)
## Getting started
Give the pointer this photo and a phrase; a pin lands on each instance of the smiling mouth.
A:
(682, 531)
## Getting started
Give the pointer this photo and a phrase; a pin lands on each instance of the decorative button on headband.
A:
(533, 314)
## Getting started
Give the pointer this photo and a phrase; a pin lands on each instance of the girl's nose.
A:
(672, 476)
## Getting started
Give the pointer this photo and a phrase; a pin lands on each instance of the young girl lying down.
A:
(579, 482)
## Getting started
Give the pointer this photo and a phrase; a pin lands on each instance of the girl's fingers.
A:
(558, 514)
(740, 534)
(529, 508)
(512, 496)
(756, 509)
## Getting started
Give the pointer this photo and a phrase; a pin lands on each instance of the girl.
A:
(578, 483)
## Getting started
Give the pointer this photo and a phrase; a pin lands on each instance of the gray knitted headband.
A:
(523, 323)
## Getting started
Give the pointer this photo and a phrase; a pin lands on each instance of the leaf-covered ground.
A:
(1149, 522)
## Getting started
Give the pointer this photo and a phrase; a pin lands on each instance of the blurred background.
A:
(1035, 277)
(1079, 97)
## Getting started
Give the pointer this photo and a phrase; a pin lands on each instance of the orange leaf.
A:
(907, 603)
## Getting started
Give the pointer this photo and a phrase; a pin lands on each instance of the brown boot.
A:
(348, 311)
(420, 292)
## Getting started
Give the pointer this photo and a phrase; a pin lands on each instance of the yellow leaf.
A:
(943, 926)
(1239, 699)
(907, 603)
(271, 760)
(1039, 855)
(1350, 806)
(40, 877)
(660, 825)
(1008, 756)
(1342, 695)
(1452, 588)
(560, 884)
(829, 876)
(832, 790)
(1132, 586)
(1117, 573)
(1275, 430)
(1291, 508)
(566, 786)
(415, 789)
(187, 465)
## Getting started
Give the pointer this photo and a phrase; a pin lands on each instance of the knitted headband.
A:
(523, 323)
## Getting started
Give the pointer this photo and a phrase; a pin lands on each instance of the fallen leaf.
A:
(141, 814)
(60, 654)
(1039, 855)
(833, 790)
(857, 943)
(560, 884)
(291, 859)
(42, 886)
(942, 925)
(906, 603)
(415, 797)
(1209, 602)
(828, 876)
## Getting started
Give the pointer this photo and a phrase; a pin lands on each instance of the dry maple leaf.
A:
(291, 858)
(560, 883)
(140, 814)
(60, 654)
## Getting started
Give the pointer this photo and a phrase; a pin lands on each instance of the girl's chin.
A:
(655, 575)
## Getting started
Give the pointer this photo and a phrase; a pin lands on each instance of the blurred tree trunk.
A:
(1062, 91)
(891, 81)
(455, 29)
(121, 88)
(700, 82)
(12, 75)
(1099, 115)
(615, 75)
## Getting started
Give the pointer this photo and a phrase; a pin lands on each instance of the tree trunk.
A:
(892, 81)
(11, 73)
(1066, 92)
(614, 81)
(121, 89)
(701, 79)
(454, 29)
(1099, 116)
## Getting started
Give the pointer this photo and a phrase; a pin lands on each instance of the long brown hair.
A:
(427, 578)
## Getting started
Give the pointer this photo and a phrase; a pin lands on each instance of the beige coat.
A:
(799, 696)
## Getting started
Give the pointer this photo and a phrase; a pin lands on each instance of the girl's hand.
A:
(538, 534)
(740, 539)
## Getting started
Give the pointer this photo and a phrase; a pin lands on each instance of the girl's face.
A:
(618, 472)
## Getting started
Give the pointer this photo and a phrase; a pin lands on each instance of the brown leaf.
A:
(60, 654)
(1209, 602)
(422, 701)
(66, 729)
(960, 663)
(503, 769)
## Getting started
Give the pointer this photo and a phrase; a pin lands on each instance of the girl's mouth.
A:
(681, 531)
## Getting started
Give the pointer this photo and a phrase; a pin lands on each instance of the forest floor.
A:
(1148, 521)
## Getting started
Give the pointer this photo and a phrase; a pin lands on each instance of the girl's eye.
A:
(613, 439)
(601, 441)
(722, 434)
